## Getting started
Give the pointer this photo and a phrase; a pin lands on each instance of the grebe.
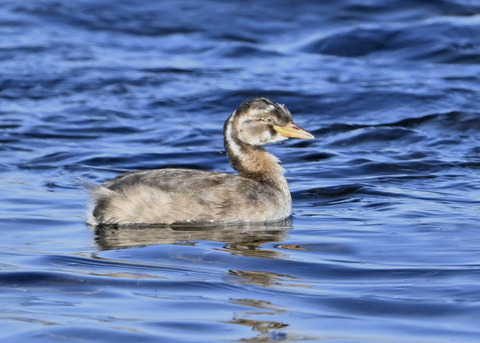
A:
(259, 193)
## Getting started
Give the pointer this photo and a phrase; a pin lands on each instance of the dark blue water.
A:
(384, 244)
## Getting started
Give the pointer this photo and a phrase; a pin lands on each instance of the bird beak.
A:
(294, 131)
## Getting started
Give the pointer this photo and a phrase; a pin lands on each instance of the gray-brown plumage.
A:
(259, 193)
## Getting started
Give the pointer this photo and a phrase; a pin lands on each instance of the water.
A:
(384, 242)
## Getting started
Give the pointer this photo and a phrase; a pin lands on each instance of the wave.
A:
(440, 42)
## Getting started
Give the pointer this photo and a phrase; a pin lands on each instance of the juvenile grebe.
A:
(164, 196)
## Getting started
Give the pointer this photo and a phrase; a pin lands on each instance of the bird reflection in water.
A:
(240, 239)
(246, 240)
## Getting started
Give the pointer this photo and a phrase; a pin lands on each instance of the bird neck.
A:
(253, 162)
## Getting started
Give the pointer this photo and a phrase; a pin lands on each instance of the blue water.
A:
(384, 242)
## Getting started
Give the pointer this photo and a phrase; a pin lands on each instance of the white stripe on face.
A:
(234, 147)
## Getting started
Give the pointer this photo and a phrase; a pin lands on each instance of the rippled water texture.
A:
(384, 242)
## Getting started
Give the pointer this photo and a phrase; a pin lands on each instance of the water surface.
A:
(383, 244)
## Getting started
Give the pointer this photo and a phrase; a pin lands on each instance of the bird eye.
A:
(269, 120)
